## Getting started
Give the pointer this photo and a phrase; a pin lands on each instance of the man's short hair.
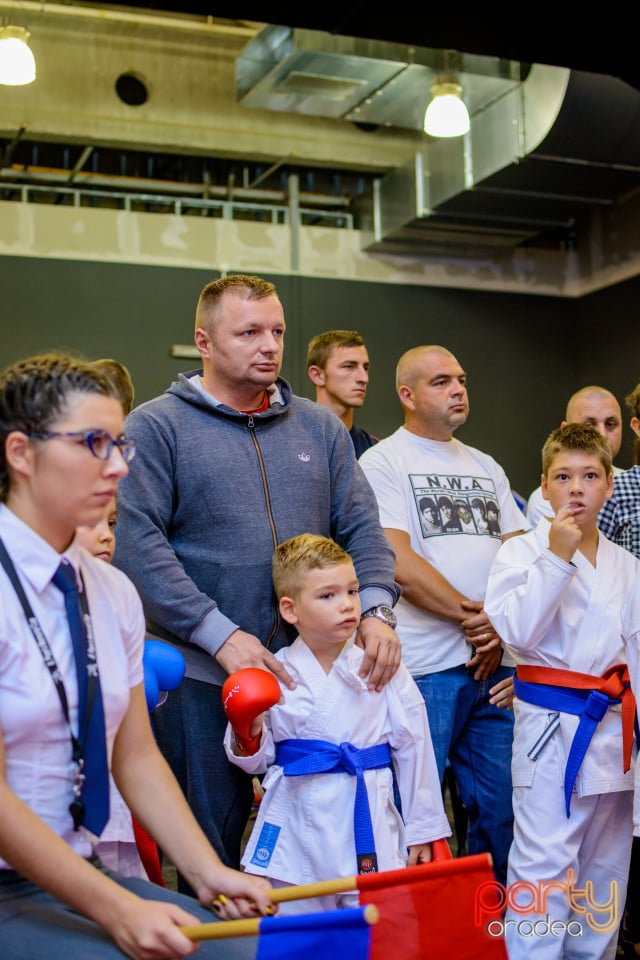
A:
(322, 346)
(295, 558)
(580, 437)
(243, 285)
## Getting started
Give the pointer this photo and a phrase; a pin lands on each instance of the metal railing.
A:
(230, 209)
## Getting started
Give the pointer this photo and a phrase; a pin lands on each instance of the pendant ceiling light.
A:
(446, 115)
(17, 65)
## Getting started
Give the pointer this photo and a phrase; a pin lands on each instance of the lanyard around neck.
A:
(77, 742)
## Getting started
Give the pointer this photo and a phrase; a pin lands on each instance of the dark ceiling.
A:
(580, 182)
(567, 35)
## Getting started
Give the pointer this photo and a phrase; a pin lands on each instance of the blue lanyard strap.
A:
(298, 757)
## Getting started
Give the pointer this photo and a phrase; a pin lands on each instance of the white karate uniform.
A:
(304, 827)
(577, 617)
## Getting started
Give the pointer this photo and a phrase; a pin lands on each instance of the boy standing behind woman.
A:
(326, 746)
(562, 597)
(117, 845)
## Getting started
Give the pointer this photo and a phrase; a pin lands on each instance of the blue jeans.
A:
(35, 924)
(476, 739)
(190, 728)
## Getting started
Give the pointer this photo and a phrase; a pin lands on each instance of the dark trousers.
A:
(33, 924)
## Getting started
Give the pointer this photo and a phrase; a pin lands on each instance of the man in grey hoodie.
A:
(230, 463)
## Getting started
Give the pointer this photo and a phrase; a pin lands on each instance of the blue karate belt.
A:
(585, 696)
(297, 757)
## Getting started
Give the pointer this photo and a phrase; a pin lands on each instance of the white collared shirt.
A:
(36, 736)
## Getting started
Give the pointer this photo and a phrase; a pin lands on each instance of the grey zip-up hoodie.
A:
(209, 495)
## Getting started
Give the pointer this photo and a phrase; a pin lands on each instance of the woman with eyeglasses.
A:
(72, 694)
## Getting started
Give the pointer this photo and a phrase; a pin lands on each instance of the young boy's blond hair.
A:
(295, 558)
(578, 437)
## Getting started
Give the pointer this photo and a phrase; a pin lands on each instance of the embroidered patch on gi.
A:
(266, 845)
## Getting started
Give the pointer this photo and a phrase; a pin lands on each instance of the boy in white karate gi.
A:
(305, 827)
(561, 598)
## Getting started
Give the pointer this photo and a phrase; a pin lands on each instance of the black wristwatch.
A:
(383, 613)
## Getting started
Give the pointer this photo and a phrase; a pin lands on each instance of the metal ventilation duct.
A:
(548, 149)
(545, 157)
(365, 81)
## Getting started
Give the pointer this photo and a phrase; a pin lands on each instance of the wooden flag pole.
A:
(247, 928)
(321, 888)
(225, 928)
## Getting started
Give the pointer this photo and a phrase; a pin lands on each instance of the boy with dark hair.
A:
(561, 598)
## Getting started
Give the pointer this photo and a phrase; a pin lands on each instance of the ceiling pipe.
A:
(85, 180)
(187, 22)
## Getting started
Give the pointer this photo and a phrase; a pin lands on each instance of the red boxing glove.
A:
(440, 850)
(245, 694)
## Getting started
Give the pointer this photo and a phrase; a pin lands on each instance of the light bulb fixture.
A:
(17, 65)
(446, 115)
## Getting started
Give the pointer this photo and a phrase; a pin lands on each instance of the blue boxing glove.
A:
(151, 688)
(164, 669)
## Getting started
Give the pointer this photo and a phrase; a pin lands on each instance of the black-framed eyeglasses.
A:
(99, 442)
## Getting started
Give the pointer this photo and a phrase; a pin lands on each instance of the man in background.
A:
(448, 642)
(598, 408)
(338, 366)
(229, 463)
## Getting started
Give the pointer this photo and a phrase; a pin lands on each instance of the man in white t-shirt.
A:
(448, 642)
(598, 408)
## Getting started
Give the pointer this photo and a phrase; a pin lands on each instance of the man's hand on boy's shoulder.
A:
(242, 649)
(382, 652)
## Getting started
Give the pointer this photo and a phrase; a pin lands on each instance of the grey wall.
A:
(524, 355)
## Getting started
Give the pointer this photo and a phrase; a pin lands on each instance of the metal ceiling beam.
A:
(84, 156)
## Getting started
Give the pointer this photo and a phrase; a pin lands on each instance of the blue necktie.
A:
(91, 732)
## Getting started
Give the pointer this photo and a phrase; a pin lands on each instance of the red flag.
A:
(149, 855)
(431, 911)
